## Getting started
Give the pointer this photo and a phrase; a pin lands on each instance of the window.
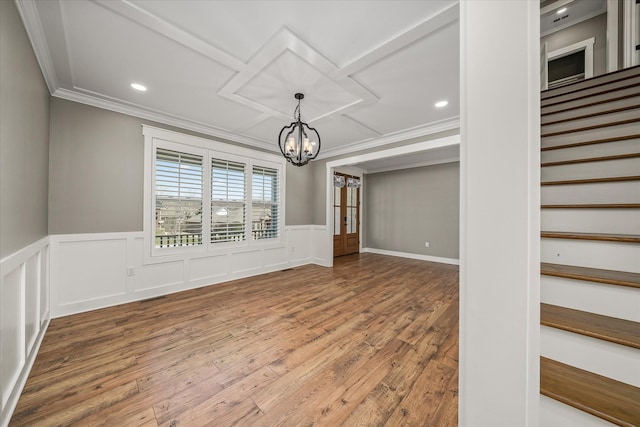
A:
(265, 203)
(203, 195)
(228, 207)
(178, 199)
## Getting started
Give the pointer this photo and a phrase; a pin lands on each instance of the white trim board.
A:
(452, 261)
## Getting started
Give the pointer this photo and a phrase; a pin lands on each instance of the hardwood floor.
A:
(370, 342)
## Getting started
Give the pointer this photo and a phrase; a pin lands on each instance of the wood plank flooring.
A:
(372, 341)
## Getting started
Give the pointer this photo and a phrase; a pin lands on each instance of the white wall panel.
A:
(321, 252)
(24, 317)
(606, 255)
(152, 276)
(208, 267)
(243, 262)
(12, 327)
(91, 269)
(275, 257)
(300, 244)
(32, 301)
(44, 285)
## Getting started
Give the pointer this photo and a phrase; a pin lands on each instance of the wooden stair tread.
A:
(588, 104)
(603, 397)
(594, 206)
(591, 159)
(586, 128)
(592, 142)
(593, 82)
(563, 99)
(628, 238)
(598, 275)
(619, 331)
(592, 180)
(591, 115)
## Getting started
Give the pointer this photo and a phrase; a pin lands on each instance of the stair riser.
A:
(608, 192)
(557, 414)
(591, 135)
(614, 361)
(588, 95)
(595, 150)
(577, 112)
(601, 81)
(616, 221)
(603, 169)
(608, 300)
(592, 121)
(585, 253)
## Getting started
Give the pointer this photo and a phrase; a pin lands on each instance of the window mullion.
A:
(249, 202)
(206, 202)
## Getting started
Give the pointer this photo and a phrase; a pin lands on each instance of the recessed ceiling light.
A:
(441, 104)
(138, 86)
(563, 10)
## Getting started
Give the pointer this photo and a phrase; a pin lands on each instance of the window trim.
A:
(209, 148)
(586, 45)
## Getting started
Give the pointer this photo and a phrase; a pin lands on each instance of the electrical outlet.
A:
(426, 244)
(131, 271)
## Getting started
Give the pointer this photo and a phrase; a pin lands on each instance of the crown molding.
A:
(35, 32)
(160, 117)
(417, 132)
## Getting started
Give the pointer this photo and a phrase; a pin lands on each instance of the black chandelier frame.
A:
(300, 156)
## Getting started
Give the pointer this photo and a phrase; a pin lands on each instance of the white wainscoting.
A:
(442, 260)
(92, 271)
(24, 317)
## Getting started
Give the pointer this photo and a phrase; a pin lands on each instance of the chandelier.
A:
(296, 141)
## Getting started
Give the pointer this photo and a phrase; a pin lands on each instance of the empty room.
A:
(296, 213)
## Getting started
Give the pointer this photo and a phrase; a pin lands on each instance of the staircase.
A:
(590, 252)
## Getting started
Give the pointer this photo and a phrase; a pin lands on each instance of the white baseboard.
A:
(24, 318)
(442, 260)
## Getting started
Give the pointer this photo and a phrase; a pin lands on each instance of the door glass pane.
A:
(336, 221)
(354, 197)
(336, 196)
(354, 222)
(349, 220)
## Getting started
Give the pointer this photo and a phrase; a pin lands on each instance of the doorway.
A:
(346, 214)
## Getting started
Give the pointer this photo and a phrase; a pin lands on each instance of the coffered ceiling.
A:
(371, 71)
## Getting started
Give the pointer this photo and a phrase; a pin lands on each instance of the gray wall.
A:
(319, 172)
(96, 172)
(24, 135)
(408, 207)
(594, 27)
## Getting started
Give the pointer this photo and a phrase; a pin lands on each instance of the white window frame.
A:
(586, 45)
(160, 138)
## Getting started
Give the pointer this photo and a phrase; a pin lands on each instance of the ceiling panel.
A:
(181, 82)
(409, 82)
(370, 70)
(340, 30)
